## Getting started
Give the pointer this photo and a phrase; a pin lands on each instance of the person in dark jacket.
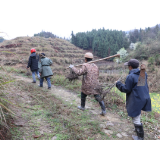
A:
(45, 70)
(137, 97)
(33, 64)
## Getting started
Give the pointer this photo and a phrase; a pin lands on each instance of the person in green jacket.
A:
(45, 70)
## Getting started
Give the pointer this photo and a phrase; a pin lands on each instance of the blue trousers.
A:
(33, 75)
(48, 81)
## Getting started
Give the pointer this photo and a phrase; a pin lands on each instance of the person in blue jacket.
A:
(137, 97)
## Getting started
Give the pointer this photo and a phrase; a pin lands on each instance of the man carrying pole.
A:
(90, 81)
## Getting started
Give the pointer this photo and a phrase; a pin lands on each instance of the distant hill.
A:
(49, 35)
(131, 30)
(16, 52)
(141, 35)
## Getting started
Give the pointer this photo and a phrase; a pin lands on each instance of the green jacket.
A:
(44, 67)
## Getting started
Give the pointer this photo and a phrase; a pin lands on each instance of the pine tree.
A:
(85, 44)
(72, 38)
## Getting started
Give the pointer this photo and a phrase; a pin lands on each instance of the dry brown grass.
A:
(60, 51)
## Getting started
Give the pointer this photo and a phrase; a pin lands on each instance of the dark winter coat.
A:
(44, 67)
(137, 97)
(33, 62)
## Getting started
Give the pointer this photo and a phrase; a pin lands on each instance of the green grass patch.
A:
(155, 100)
(60, 80)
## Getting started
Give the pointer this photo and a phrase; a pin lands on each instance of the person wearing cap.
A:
(137, 97)
(45, 70)
(90, 81)
(33, 64)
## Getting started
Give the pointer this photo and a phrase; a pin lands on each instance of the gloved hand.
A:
(71, 66)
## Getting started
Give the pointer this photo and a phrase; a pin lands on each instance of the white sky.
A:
(63, 28)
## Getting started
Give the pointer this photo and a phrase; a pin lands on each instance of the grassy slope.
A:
(60, 51)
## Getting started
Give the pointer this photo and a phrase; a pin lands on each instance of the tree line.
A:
(103, 42)
(142, 35)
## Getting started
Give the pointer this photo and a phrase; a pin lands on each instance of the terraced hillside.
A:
(16, 52)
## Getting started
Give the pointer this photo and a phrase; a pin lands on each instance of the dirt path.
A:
(113, 125)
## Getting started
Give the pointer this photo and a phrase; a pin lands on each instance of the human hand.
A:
(71, 66)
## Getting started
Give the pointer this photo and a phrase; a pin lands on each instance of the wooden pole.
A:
(116, 55)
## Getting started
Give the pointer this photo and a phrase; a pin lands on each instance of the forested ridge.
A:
(108, 42)
(102, 42)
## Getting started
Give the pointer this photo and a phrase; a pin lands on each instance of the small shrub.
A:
(45, 49)
(123, 53)
(67, 61)
(54, 60)
(42, 45)
(34, 45)
(157, 59)
(151, 61)
(22, 52)
(151, 68)
(38, 49)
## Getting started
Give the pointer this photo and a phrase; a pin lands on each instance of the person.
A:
(137, 97)
(33, 64)
(90, 81)
(45, 70)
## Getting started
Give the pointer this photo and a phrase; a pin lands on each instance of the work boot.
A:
(103, 108)
(139, 131)
(82, 107)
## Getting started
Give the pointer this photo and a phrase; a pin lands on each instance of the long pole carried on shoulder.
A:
(116, 55)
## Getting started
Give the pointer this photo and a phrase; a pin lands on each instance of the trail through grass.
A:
(53, 114)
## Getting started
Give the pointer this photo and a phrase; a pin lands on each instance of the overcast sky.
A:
(63, 28)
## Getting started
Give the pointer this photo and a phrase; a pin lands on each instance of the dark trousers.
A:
(48, 81)
(97, 96)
